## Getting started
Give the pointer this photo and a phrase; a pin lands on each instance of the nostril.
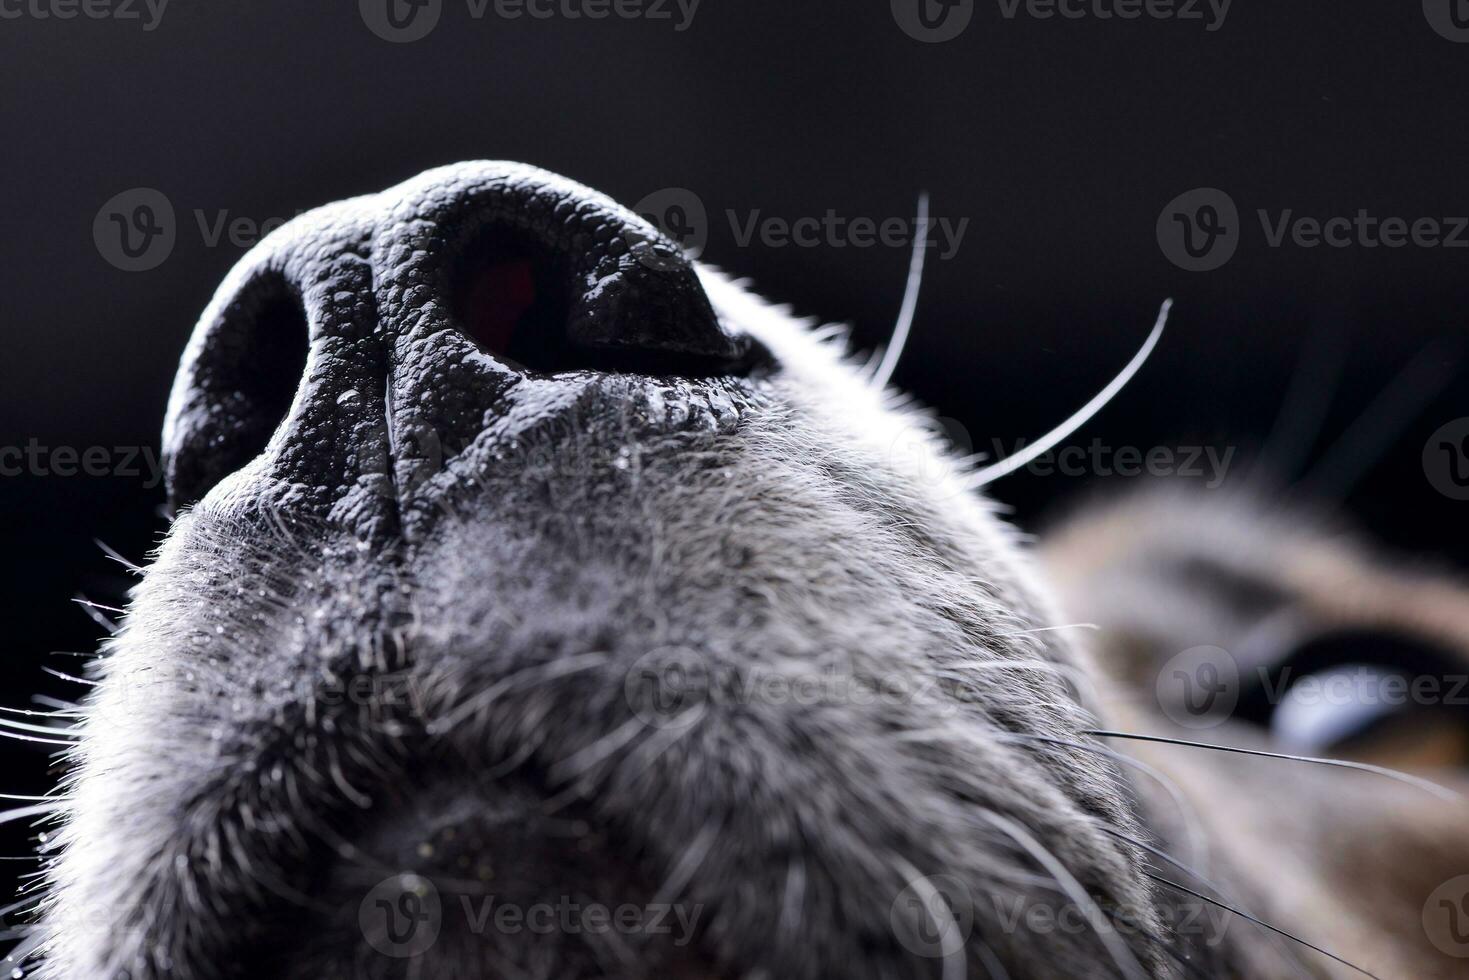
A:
(498, 298)
(238, 389)
(511, 298)
(550, 278)
(272, 362)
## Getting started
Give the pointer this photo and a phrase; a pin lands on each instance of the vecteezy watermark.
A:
(681, 216)
(1211, 13)
(672, 687)
(1202, 686)
(37, 460)
(933, 21)
(402, 917)
(833, 230)
(934, 917)
(936, 21)
(1097, 459)
(1450, 18)
(137, 230)
(405, 21)
(1446, 917)
(1053, 915)
(148, 13)
(1446, 459)
(1200, 230)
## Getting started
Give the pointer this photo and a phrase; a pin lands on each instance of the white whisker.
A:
(1047, 442)
(889, 363)
(1050, 629)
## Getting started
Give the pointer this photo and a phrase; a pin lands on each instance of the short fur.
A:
(229, 808)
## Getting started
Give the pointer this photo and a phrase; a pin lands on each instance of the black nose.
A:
(367, 326)
(552, 277)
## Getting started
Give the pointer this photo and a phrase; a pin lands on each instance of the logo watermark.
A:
(1098, 459)
(681, 215)
(38, 460)
(934, 917)
(406, 21)
(933, 21)
(1202, 686)
(146, 13)
(937, 21)
(1200, 230)
(1446, 917)
(672, 687)
(1210, 13)
(137, 230)
(403, 916)
(1446, 459)
(1449, 18)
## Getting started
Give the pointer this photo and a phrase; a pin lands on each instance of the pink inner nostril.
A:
(498, 298)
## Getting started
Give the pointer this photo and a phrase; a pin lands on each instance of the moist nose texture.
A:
(435, 294)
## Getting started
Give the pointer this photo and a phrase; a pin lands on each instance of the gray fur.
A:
(770, 529)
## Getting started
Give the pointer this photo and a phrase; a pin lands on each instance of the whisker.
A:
(1158, 852)
(94, 612)
(115, 556)
(59, 706)
(1187, 812)
(1259, 922)
(27, 712)
(21, 726)
(1048, 441)
(19, 737)
(23, 952)
(68, 677)
(1051, 629)
(889, 363)
(26, 812)
(543, 673)
(1442, 792)
(1108, 936)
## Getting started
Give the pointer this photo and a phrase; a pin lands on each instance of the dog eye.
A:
(1365, 693)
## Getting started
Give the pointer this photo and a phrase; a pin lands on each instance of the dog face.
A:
(543, 605)
(561, 568)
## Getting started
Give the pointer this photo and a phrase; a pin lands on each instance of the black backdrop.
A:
(1061, 140)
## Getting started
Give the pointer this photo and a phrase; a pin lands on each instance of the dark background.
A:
(1061, 141)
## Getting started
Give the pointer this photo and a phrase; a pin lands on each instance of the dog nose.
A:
(414, 311)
